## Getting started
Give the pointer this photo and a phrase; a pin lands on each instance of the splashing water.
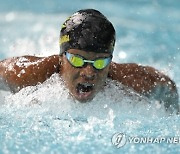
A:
(46, 119)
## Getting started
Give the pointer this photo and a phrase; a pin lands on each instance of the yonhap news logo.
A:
(120, 139)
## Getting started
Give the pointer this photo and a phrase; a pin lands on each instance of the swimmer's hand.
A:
(147, 81)
(19, 72)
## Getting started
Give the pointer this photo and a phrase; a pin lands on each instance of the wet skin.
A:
(144, 80)
(87, 75)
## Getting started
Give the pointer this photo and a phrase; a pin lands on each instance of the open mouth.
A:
(84, 90)
(84, 87)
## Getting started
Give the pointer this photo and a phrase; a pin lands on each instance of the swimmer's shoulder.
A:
(140, 78)
(147, 81)
(19, 72)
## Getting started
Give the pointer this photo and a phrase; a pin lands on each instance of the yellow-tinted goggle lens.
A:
(99, 64)
(76, 61)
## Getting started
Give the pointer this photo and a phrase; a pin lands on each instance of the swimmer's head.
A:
(87, 30)
(87, 41)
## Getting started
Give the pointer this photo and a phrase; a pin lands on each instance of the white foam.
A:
(113, 102)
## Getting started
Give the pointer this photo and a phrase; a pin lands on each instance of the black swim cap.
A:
(87, 30)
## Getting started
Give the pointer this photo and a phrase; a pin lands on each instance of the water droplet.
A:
(122, 55)
(10, 17)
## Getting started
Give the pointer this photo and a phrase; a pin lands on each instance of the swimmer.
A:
(87, 40)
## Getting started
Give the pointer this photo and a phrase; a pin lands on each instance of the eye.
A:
(100, 63)
(76, 61)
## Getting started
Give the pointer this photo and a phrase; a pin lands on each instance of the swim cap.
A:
(87, 30)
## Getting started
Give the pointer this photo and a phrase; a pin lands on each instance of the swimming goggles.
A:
(79, 61)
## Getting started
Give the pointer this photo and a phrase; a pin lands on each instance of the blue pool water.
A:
(45, 119)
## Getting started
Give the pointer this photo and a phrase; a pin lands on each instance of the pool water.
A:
(46, 119)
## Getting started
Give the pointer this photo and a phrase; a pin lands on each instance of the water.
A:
(45, 119)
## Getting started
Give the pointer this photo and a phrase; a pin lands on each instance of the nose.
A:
(88, 72)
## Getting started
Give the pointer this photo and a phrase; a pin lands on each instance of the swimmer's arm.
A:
(19, 72)
(147, 81)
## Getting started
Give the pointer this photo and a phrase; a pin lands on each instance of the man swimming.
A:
(87, 40)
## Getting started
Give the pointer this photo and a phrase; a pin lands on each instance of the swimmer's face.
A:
(84, 82)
